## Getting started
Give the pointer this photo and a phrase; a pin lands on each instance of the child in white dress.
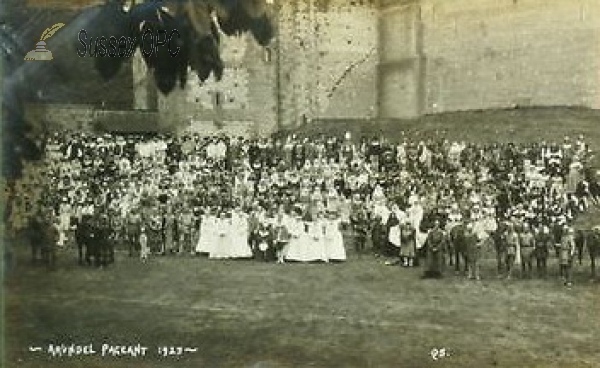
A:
(207, 231)
(239, 235)
(222, 237)
(334, 241)
(295, 248)
(317, 250)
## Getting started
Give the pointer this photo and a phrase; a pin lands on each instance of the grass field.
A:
(357, 314)
(250, 314)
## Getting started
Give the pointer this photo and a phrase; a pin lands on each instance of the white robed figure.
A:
(334, 241)
(296, 249)
(316, 247)
(223, 230)
(238, 245)
(206, 240)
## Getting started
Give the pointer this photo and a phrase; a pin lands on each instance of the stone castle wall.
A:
(337, 59)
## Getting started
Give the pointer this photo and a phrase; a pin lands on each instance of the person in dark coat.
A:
(105, 242)
(379, 236)
(543, 241)
(92, 246)
(566, 255)
(580, 240)
(393, 240)
(253, 228)
(133, 231)
(50, 243)
(82, 235)
(360, 226)
(264, 241)
(435, 246)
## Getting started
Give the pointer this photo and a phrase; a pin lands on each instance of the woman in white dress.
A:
(334, 241)
(206, 240)
(239, 231)
(296, 248)
(316, 242)
(222, 237)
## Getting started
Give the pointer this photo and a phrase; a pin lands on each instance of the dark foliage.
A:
(197, 37)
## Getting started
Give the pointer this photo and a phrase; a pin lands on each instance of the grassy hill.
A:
(511, 125)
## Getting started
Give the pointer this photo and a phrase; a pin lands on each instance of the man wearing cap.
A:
(567, 252)
(543, 242)
(511, 239)
(473, 244)
(527, 247)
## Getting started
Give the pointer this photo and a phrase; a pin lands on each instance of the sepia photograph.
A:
(300, 183)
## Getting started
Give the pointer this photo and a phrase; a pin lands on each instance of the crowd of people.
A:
(289, 198)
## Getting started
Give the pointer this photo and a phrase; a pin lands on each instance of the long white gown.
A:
(334, 241)
(316, 242)
(296, 250)
(238, 245)
(206, 240)
(288, 222)
(222, 240)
